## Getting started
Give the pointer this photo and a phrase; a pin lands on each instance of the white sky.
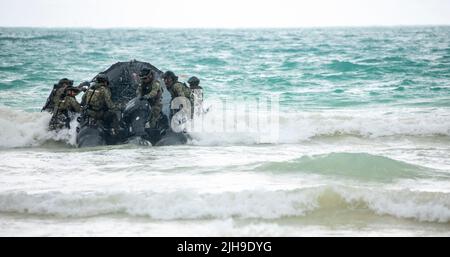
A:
(222, 13)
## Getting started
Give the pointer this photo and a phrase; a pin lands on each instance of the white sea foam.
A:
(295, 127)
(24, 129)
(19, 129)
(182, 205)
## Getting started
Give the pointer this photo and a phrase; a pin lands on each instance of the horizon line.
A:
(228, 28)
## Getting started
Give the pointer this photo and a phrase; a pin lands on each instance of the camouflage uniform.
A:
(68, 104)
(197, 95)
(62, 112)
(99, 105)
(152, 92)
(54, 98)
(58, 94)
(179, 89)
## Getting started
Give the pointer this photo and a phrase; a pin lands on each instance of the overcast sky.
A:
(222, 13)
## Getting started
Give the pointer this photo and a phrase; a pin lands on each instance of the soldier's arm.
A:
(155, 88)
(75, 106)
(108, 100)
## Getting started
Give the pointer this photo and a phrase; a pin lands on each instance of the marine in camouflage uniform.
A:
(176, 88)
(150, 89)
(197, 94)
(65, 108)
(98, 104)
(57, 91)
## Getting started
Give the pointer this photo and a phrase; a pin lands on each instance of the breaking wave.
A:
(25, 129)
(295, 127)
(181, 205)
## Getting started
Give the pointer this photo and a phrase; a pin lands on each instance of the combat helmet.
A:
(65, 81)
(102, 78)
(193, 81)
(145, 72)
(170, 74)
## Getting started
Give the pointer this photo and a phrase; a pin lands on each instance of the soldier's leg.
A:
(155, 115)
(57, 122)
(110, 118)
(95, 117)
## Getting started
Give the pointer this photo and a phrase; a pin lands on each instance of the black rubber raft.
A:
(123, 78)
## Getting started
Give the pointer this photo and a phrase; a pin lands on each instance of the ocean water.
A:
(362, 147)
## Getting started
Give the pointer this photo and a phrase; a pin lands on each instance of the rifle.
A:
(50, 97)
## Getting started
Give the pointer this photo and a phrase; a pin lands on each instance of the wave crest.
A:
(180, 205)
(296, 127)
(24, 129)
(352, 165)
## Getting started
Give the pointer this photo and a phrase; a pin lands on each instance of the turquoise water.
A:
(310, 68)
(363, 145)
